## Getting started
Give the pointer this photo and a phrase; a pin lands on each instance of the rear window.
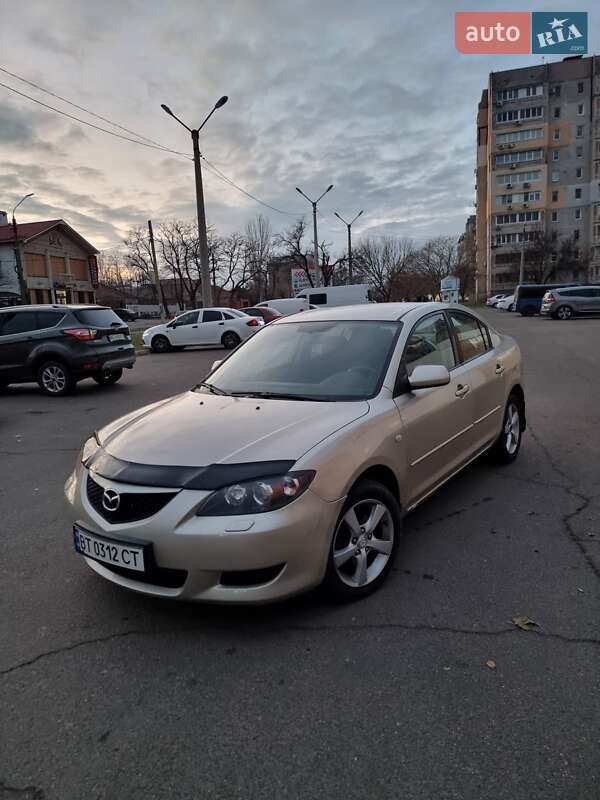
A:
(318, 299)
(98, 317)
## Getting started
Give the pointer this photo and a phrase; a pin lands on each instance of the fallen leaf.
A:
(491, 664)
(523, 622)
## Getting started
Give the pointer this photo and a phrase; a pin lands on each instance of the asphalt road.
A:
(110, 695)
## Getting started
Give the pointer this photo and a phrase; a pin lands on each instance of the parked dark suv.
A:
(58, 345)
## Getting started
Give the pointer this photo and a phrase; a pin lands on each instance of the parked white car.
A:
(507, 303)
(493, 301)
(286, 305)
(210, 327)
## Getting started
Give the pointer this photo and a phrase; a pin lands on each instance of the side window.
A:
(188, 319)
(48, 319)
(429, 343)
(230, 316)
(318, 299)
(470, 338)
(18, 322)
(212, 316)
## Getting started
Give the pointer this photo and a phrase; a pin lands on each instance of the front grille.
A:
(155, 576)
(132, 506)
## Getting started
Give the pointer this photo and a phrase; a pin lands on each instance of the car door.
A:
(595, 300)
(590, 300)
(437, 422)
(483, 374)
(17, 338)
(212, 327)
(185, 330)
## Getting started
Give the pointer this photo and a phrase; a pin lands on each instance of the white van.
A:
(286, 305)
(352, 295)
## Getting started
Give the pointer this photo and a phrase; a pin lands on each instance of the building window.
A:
(578, 194)
(556, 112)
(38, 295)
(556, 135)
(577, 213)
(522, 216)
(579, 150)
(556, 90)
(514, 158)
(555, 196)
(553, 256)
(580, 109)
(533, 112)
(578, 172)
(579, 132)
(554, 216)
(518, 177)
(576, 234)
(555, 177)
(554, 236)
(519, 136)
(580, 87)
(556, 155)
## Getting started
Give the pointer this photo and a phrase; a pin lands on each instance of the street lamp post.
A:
(18, 264)
(200, 210)
(349, 226)
(314, 208)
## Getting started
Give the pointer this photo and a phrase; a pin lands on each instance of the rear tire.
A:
(107, 376)
(160, 344)
(55, 378)
(364, 542)
(508, 444)
(564, 312)
(230, 340)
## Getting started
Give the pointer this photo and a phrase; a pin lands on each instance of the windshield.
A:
(333, 360)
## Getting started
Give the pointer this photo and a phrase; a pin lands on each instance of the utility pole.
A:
(314, 210)
(522, 265)
(159, 293)
(349, 227)
(23, 290)
(202, 237)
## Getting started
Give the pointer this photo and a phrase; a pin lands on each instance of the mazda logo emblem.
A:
(111, 500)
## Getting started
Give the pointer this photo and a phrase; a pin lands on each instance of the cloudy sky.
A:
(369, 96)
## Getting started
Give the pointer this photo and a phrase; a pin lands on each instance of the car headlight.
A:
(89, 449)
(256, 497)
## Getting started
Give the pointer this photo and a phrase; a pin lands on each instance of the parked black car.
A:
(58, 345)
(125, 314)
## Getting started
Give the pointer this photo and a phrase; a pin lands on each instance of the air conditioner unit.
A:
(525, 205)
(517, 122)
(526, 185)
(509, 185)
(513, 166)
(509, 208)
(511, 146)
(499, 104)
(500, 147)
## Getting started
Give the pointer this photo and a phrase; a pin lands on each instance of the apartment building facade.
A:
(538, 174)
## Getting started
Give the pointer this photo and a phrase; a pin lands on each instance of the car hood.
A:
(194, 429)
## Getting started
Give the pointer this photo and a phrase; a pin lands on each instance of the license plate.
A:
(119, 554)
(117, 337)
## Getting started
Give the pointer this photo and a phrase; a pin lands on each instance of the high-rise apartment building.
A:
(538, 174)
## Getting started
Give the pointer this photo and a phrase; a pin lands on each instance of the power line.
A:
(147, 143)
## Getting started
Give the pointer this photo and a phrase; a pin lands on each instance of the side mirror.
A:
(428, 376)
(215, 365)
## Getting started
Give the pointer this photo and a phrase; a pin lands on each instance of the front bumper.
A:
(297, 537)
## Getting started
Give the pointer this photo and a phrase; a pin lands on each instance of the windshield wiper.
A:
(211, 388)
(280, 396)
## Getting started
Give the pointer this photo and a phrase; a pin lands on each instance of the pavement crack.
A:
(417, 628)
(25, 792)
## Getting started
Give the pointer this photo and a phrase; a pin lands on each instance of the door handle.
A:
(461, 390)
(499, 369)
(194, 326)
(221, 323)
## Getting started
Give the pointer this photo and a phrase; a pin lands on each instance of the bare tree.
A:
(180, 253)
(328, 268)
(139, 259)
(259, 245)
(291, 244)
(382, 262)
(437, 259)
(235, 268)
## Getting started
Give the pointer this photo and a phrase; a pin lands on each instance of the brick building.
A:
(59, 265)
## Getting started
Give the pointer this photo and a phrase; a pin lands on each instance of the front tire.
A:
(160, 344)
(107, 376)
(508, 444)
(364, 542)
(55, 378)
(230, 340)
(564, 312)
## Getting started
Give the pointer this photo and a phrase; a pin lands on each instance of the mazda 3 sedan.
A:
(293, 462)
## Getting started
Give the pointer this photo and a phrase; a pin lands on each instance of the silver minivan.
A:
(570, 301)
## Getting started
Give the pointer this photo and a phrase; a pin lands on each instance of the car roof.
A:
(364, 311)
(55, 307)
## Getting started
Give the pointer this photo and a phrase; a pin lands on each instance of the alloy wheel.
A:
(564, 313)
(363, 542)
(54, 379)
(512, 429)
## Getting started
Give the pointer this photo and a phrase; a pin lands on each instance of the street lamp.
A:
(314, 208)
(19, 266)
(349, 226)
(202, 236)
